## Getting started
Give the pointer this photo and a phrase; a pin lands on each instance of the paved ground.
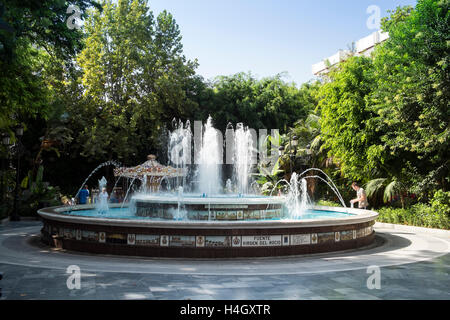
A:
(412, 266)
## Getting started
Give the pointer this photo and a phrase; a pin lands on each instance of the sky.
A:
(267, 37)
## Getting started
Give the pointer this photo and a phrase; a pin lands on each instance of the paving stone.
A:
(419, 280)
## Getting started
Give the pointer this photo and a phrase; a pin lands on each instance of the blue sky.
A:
(267, 37)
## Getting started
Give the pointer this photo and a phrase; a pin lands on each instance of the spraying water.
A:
(144, 185)
(104, 164)
(243, 153)
(228, 186)
(181, 212)
(126, 195)
(179, 149)
(297, 198)
(332, 186)
(102, 203)
(210, 159)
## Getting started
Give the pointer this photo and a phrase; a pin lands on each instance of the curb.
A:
(401, 227)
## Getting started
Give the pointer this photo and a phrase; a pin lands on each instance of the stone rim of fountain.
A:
(360, 216)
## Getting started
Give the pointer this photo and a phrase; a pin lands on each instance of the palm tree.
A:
(311, 147)
(391, 187)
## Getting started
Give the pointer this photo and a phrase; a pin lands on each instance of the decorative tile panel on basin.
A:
(300, 239)
(218, 241)
(325, 237)
(182, 241)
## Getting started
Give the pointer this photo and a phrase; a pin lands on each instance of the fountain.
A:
(297, 198)
(102, 201)
(243, 157)
(200, 216)
(210, 159)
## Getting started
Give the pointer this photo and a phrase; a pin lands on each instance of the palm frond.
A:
(316, 143)
(374, 186)
(392, 189)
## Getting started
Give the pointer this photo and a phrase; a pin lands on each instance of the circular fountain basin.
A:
(78, 229)
(214, 208)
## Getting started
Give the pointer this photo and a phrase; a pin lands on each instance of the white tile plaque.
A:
(261, 241)
(147, 240)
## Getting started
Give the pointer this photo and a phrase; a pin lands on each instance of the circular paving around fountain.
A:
(207, 239)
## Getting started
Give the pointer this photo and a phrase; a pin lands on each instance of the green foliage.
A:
(412, 92)
(42, 23)
(390, 187)
(32, 31)
(420, 215)
(441, 202)
(344, 116)
(37, 194)
(386, 118)
(23, 91)
(328, 203)
(435, 215)
(270, 173)
(269, 103)
(133, 78)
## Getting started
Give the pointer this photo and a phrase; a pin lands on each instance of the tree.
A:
(134, 78)
(345, 118)
(412, 92)
(386, 118)
(32, 32)
(269, 103)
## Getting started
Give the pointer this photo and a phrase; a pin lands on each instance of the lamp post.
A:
(6, 139)
(293, 142)
(15, 215)
(280, 151)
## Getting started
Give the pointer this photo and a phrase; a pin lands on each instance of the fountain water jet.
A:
(104, 164)
(334, 188)
(179, 149)
(102, 203)
(210, 159)
(243, 157)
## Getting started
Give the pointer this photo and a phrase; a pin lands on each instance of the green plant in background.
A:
(436, 215)
(390, 187)
(387, 115)
(9, 179)
(269, 170)
(328, 203)
(37, 194)
(441, 202)
(267, 179)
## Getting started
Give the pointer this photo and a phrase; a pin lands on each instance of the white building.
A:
(363, 47)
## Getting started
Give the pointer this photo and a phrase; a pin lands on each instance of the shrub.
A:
(420, 215)
(327, 203)
(441, 202)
